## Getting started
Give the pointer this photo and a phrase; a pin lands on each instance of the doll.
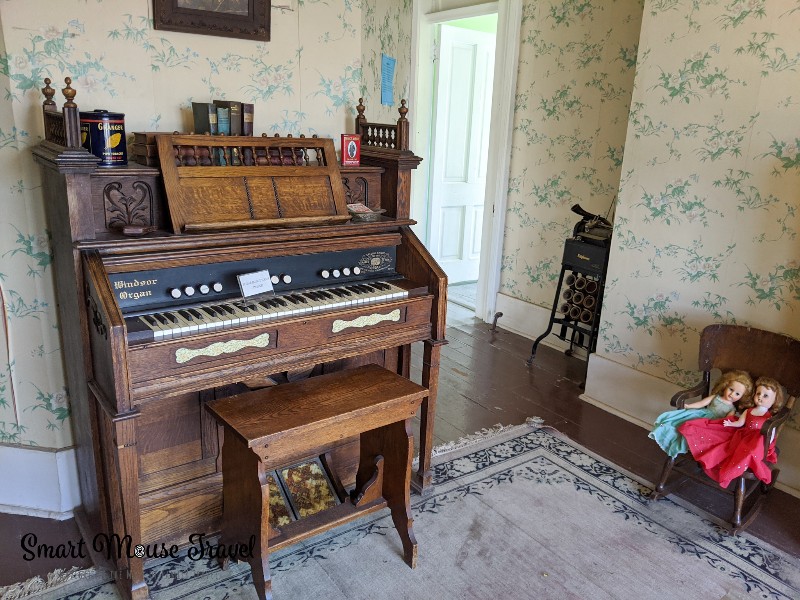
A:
(726, 448)
(732, 387)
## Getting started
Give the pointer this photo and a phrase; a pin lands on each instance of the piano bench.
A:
(276, 426)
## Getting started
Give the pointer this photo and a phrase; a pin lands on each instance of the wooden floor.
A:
(484, 381)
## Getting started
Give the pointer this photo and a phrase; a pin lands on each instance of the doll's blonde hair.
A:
(775, 386)
(729, 377)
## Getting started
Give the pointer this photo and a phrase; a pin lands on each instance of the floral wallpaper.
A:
(703, 156)
(574, 82)
(323, 56)
(706, 227)
(386, 29)
(684, 110)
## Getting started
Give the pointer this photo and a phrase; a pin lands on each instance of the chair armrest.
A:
(772, 426)
(679, 399)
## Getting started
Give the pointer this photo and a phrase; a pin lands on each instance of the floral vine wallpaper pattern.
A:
(682, 110)
(574, 82)
(703, 98)
(323, 56)
(706, 228)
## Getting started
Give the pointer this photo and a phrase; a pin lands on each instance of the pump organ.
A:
(154, 326)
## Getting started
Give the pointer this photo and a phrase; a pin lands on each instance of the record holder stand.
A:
(578, 299)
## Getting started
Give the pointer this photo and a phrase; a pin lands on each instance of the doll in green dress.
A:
(732, 387)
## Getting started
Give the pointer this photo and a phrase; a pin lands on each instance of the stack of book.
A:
(144, 150)
(223, 117)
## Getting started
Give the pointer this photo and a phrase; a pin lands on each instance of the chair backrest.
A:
(760, 353)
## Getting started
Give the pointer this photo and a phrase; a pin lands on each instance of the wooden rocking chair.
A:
(761, 354)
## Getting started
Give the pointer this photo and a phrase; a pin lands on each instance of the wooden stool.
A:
(277, 426)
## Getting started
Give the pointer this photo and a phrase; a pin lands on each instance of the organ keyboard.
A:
(154, 327)
(200, 318)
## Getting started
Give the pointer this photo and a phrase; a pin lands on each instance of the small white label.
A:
(252, 284)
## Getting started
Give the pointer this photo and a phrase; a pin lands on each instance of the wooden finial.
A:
(403, 127)
(69, 93)
(402, 110)
(361, 120)
(48, 93)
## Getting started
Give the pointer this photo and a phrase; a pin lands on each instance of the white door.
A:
(460, 150)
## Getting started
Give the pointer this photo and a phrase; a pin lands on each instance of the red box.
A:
(351, 149)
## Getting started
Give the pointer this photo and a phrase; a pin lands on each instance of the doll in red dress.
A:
(727, 448)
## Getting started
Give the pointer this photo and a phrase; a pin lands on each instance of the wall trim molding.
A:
(528, 320)
(501, 127)
(465, 12)
(54, 493)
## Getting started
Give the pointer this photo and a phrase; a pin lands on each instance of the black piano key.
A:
(208, 312)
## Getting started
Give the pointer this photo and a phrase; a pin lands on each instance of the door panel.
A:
(460, 152)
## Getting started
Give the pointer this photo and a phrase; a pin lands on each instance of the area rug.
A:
(526, 513)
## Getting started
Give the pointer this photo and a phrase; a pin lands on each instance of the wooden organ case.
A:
(152, 321)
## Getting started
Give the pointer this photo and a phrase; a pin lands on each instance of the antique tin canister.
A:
(103, 134)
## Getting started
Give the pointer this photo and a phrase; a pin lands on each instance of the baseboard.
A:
(640, 397)
(527, 320)
(52, 493)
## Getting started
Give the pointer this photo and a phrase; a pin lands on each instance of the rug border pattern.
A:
(508, 457)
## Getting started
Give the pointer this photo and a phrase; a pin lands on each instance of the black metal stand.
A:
(579, 321)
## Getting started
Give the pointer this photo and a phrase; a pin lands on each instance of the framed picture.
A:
(246, 19)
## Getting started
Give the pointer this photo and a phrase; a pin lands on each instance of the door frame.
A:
(509, 22)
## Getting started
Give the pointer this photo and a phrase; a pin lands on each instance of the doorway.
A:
(463, 92)
(459, 150)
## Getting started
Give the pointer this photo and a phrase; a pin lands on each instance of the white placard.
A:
(255, 283)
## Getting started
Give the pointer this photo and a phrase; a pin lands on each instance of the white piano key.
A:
(182, 327)
(237, 313)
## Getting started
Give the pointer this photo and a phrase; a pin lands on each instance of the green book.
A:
(223, 120)
(205, 117)
(235, 115)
